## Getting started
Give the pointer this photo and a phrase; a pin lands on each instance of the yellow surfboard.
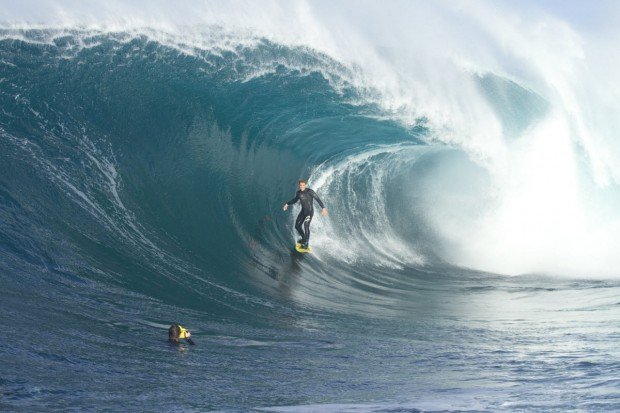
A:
(302, 250)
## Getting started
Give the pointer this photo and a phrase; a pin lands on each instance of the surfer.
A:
(306, 198)
(176, 332)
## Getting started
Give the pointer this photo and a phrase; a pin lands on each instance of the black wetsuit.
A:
(302, 223)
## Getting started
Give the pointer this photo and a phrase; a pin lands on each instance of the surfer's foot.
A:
(304, 246)
(299, 241)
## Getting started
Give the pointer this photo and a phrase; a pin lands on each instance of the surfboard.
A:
(302, 250)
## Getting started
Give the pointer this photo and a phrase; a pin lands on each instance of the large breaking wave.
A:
(166, 144)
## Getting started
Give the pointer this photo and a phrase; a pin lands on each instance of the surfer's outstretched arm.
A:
(291, 202)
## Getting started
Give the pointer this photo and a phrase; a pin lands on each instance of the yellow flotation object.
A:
(183, 333)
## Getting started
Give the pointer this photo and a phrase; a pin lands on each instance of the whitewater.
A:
(467, 153)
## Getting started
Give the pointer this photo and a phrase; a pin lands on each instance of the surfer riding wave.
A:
(306, 198)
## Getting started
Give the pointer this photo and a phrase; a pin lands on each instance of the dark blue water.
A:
(142, 186)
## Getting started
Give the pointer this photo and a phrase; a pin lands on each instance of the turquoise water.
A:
(141, 185)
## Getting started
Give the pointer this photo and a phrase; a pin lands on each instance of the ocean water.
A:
(469, 261)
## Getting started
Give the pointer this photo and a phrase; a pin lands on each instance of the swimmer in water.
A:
(177, 332)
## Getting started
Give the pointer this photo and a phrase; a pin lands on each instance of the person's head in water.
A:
(177, 332)
(303, 184)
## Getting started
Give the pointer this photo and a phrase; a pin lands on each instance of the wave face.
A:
(143, 174)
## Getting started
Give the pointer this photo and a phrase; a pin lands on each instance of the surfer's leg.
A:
(299, 222)
(306, 236)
